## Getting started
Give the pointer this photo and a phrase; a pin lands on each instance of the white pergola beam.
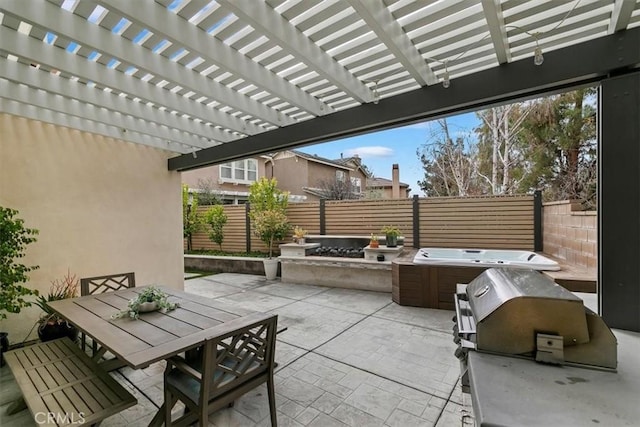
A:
(30, 76)
(376, 15)
(47, 101)
(53, 117)
(174, 28)
(41, 53)
(74, 27)
(495, 20)
(621, 15)
(264, 19)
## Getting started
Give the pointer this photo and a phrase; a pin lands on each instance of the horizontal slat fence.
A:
(234, 231)
(305, 215)
(491, 222)
(363, 217)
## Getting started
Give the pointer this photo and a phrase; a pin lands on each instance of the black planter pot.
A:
(391, 240)
(53, 330)
(4, 346)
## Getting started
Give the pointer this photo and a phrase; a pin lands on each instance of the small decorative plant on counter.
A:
(391, 233)
(299, 235)
(150, 299)
(373, 242)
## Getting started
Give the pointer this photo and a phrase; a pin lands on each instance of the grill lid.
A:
(524, 312)
(511, 307)
(495, 287)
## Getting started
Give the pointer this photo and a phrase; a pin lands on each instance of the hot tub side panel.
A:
(428, 286)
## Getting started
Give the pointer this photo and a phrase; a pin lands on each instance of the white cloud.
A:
(372, 151)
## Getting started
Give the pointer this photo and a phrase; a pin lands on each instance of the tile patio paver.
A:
(293, 291)
(419, 357)
(310, 325)
(428, 318)
(348, 358)
(351, 300)
(258, 301)
(211, 289)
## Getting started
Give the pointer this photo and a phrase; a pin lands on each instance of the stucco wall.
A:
(570, 234)
(101, 205)
(291, 174)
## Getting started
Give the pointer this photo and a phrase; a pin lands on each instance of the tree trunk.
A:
(495, 140)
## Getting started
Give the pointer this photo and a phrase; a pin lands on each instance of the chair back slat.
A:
(101, 284)
(238, 357)
(222, 369)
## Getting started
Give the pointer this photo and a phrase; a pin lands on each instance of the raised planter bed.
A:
(337, 272)
(225, 264)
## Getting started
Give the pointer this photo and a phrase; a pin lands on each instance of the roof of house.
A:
(383, 182)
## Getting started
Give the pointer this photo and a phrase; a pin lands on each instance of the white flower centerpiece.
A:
(150, 299)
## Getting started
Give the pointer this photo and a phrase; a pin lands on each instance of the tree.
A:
(268, 206)
(208, 192)
(337, 189)
(448, 164)
(270, 226)
(216, 218)
(561, 135)
(264, 194)
(499, 147)
(14, 238)
(191, 221)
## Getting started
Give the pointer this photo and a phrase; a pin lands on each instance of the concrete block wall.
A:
(570, 233)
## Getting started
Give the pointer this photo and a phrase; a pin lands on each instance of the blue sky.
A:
(380, 150)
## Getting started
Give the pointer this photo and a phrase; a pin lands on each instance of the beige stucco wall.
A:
(291, 174)
(102, 206)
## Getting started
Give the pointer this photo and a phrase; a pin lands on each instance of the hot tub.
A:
(484, 258)
(429, 277)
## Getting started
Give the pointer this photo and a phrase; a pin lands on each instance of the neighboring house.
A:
(382, 188)
(229, 181)
(304, 176)
(307, 174)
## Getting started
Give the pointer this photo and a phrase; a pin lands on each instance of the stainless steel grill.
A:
(523, 313)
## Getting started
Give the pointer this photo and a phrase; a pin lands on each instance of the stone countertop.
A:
(511, 391)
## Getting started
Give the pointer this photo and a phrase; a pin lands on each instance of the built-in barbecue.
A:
(523, 313)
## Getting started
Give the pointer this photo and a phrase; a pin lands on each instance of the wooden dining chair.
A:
(101, 284)
(236, 360)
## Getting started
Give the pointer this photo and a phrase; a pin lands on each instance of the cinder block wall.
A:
(570, 234)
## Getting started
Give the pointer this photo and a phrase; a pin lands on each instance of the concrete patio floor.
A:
(348, 358)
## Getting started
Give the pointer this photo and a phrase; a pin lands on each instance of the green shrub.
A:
(14, 237)
(216, 218)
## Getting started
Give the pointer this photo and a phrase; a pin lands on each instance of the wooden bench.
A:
(61, 385)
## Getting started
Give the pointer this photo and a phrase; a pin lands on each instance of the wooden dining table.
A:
(154, 336)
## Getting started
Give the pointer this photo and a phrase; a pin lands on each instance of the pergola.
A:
(215, 81)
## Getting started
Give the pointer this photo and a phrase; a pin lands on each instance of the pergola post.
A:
(619, 202)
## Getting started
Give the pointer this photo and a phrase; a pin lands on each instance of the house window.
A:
(356, 184)
(240, 171)
(340, 176)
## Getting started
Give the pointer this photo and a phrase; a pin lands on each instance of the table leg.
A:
(158, 419)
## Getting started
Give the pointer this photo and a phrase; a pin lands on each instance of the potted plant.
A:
(373, 242)
(50, 325)
(150, 299)
(299, 235)
(270, 226)
(391, 233)
(14, 238)
(267, 210)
